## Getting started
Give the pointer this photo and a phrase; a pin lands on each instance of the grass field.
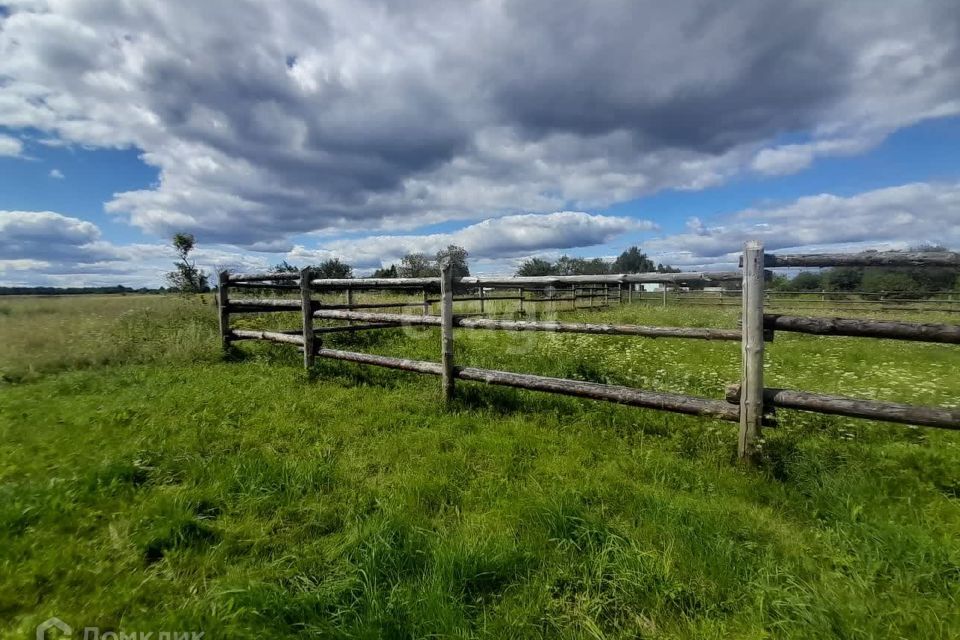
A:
(147, 485)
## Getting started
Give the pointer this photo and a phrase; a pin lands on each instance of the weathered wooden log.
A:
(287, 303)
(866, 259)
(417, 366)
(921, 332)
(373, 316)
(553, 327)
(356, 327)
(374, 283)
(306, 308)
(223, 309)
(675, 402)
(476, 298)
(678, 403)
(751, 401)
(373, 305)
(258, 277)
(599, 329)
(253, 286)
(446, 327)
(493, 281)
(273, 336)
(855, 408)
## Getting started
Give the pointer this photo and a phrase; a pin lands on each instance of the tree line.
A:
(630, 261)
(902, 281)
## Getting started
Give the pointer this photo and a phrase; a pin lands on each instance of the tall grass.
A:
(48, 334)
(171, 491)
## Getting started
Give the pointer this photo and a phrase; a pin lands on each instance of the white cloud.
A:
(491, 239)
(890, 218)
(57, 174)
(10, 146)
(791, 158)
(48, 248)
(271, 120)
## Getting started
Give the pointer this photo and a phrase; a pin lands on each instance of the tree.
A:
(666, 269)
(187, 278)
(333, 268)
(843, 279)
(536, 267)
(567, 266)
(386, 272)
(417, 265)
(284, 267)
(632, 261)
(458, 260)
(890, 281)
(805, 281)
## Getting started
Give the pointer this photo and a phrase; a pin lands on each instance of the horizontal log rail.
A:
(290, 303)
(866, 259)
(368, 305)
(355, 327)
(272, 336)
(261, 277)
(854, 327)
(476, 299)
(553, 327)
(519, 281)
(855, 408)
(264, 285)
(678, 403)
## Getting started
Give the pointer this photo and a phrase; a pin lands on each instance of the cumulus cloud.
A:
(10, 146)
(49, 248)
(491, 239)
(56, 174)
(790, 158)
(269, 120)
(889, 218)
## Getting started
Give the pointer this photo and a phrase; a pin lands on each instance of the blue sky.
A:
(307, 133)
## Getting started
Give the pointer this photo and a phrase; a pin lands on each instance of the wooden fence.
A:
(749, 403)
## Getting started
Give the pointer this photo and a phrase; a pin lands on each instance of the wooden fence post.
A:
(223, 304)
(306, 305)
(481, 300)
(446, 327)
(664, 294)
(751, 395)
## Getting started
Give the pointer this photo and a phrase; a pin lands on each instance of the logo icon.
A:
(52, 623)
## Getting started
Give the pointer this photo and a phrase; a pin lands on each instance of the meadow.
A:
(146, 483)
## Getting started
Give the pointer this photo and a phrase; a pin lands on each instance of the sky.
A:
(303, 130)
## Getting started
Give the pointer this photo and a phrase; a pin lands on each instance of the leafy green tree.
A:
(386, 272)
(667, 269)
(458, 260)
(886, 281)
(536, 267)
(333, 268)
(567, 266)
(806, 281)
(843, 279)
(632, 261)
(187, 278)
(284, 267)
(417, 265)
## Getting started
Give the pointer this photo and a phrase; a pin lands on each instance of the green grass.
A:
(147, 485)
